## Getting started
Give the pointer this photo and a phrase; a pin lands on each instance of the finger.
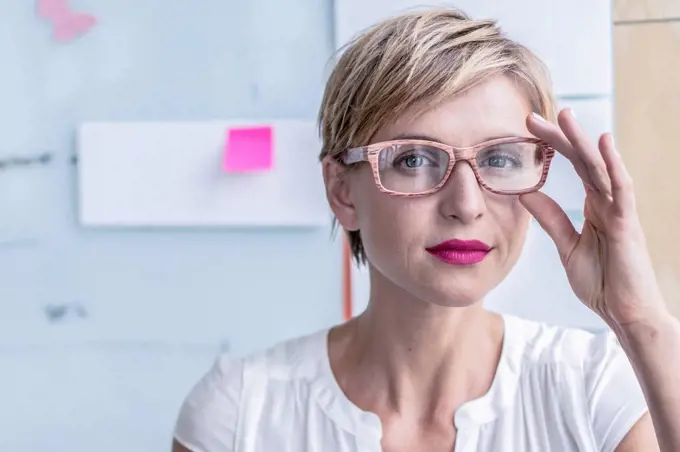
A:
(586, 150)
(553, 135)
(621, 182)
(553, 220)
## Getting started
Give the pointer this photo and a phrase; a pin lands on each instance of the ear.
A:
(338, 193)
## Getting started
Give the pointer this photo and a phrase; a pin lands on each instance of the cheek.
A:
(512, 221)
(388, 224)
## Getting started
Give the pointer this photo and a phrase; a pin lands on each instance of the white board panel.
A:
(582, 58)
(573, 38)
(170, 174)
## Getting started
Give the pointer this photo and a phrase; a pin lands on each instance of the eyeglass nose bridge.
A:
(468, 154)
(457, 155)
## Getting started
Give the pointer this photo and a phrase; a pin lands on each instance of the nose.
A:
(462, 196)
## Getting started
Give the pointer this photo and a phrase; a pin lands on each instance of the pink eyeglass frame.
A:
(469, 154)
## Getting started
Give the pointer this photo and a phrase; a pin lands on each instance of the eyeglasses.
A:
(509, 166)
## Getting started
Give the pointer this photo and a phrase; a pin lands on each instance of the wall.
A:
(103, 330)
(647, 113)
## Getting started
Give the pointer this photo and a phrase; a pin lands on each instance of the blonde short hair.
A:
(420, 57)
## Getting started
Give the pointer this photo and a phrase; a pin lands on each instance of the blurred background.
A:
(161, 199)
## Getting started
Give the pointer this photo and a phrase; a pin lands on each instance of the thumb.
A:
(553, 220)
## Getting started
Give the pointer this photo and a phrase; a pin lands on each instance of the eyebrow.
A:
(408, 136)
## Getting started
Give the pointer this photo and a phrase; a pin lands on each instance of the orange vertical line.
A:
(347, 280)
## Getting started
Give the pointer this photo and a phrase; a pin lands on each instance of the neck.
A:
(409, 356)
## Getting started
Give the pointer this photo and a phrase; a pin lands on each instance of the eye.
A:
(501, 161)
(414, 160)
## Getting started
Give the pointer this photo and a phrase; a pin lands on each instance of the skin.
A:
(425, 345)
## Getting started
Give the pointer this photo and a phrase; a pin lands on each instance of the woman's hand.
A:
(608, 264)
(610, 271)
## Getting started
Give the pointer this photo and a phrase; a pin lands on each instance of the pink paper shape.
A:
(68, 25)
(249, 149)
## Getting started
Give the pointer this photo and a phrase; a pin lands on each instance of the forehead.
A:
(495, 108)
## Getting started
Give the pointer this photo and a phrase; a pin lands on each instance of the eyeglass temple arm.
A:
(355, 155)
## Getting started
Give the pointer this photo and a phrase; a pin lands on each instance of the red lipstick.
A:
(460, 252)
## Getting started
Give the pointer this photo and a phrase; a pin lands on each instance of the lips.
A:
(460, 252)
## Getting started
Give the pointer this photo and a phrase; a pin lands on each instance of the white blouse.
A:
(555, 389)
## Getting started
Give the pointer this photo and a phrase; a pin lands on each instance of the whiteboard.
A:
(170, 174)
(572, 37)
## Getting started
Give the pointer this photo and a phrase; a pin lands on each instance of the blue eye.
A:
(414, 161)
(498, 161)
(502, 161)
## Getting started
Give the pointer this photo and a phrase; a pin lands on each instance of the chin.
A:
(458, 294)
(458, 297)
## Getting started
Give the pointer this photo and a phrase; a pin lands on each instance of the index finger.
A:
(553, 135)
(587, 150)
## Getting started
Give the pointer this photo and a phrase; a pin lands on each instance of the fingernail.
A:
(613, 145)
(538, 117)
(572, 113)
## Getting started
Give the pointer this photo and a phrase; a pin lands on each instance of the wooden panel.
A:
(647, 114)
(625, 10)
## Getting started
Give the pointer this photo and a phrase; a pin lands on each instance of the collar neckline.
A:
(366, 425)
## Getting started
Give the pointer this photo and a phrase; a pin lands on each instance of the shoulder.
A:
(210, 413)
(575, 356)
(541, 344)
(208, 416)
(588, 371)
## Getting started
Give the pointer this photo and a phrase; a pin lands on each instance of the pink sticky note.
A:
(248, 149)
(68, 24)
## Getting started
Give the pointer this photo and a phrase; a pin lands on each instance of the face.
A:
(401, 234)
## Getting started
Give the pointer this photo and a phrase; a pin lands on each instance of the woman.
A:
(434, 149)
